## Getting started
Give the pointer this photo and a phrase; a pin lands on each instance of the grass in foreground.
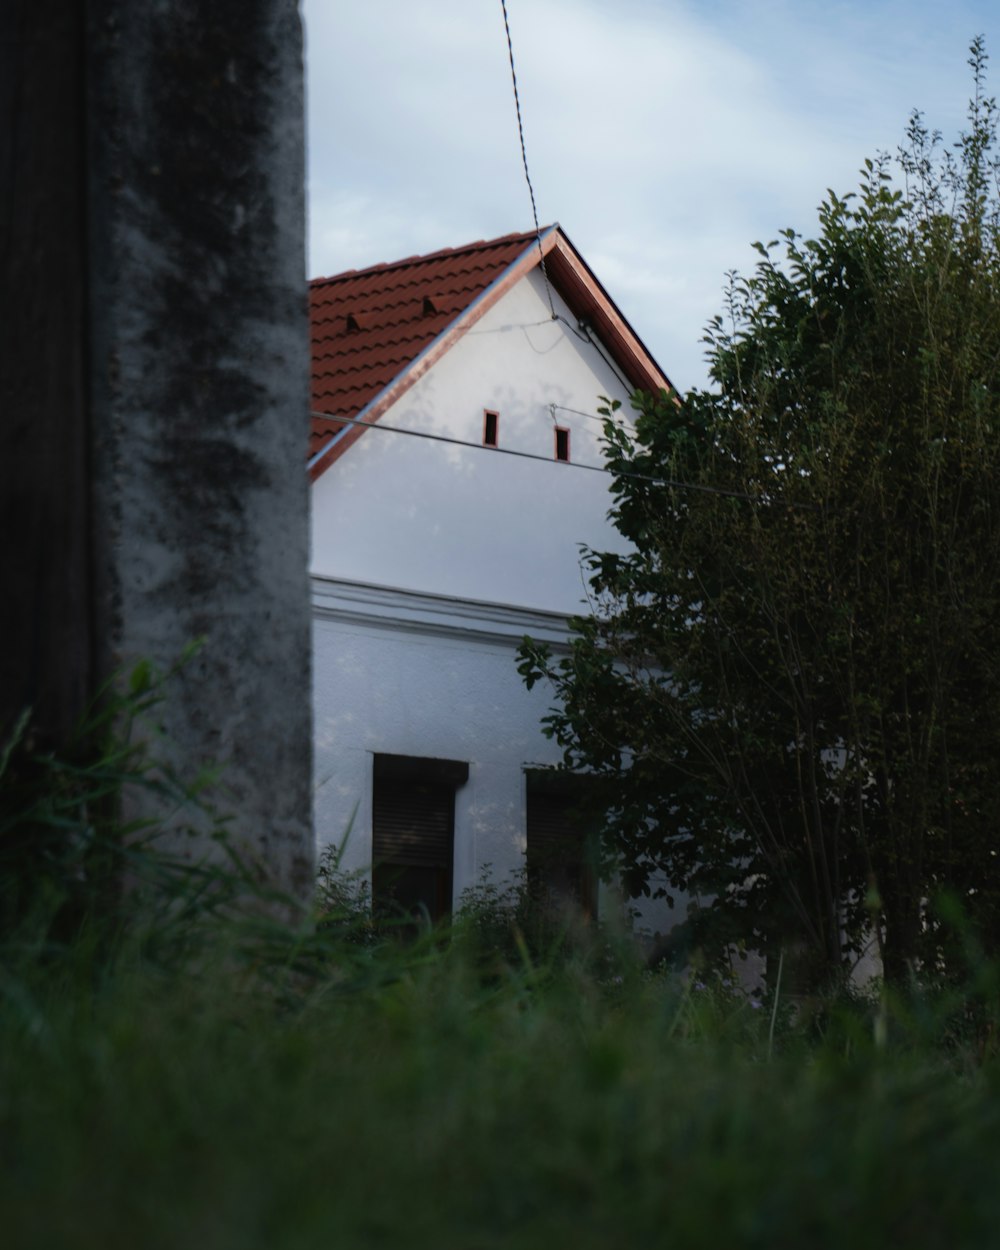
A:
(202, 1082)
(399, 1097)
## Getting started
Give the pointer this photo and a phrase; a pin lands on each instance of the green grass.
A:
(397, 1096)
(181, 1074)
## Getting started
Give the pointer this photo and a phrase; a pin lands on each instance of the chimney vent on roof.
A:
(355, 322)
(430, 308)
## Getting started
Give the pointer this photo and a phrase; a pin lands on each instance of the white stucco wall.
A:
(468, 522)
(409, 674)
(443, 685)
(432, 561)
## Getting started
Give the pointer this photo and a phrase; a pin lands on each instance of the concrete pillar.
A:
(193, 422)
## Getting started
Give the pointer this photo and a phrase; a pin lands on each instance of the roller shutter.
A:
(413, 832)
(413, 824)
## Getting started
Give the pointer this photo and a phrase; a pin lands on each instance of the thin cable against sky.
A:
(524, 157)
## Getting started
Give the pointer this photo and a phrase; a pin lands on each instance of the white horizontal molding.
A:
(443, 616)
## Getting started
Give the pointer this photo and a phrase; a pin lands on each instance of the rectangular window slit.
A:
(491, 422)
(562, 443)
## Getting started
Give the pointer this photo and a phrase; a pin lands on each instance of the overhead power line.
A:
(530, 455)
(584, 331)
(591, 416)
(524, 158)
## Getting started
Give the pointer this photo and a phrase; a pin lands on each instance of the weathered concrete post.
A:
(193, 339)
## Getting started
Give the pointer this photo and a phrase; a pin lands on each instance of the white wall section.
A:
(432, 561)
(467, 522)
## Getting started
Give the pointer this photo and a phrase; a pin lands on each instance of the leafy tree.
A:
(791, 688)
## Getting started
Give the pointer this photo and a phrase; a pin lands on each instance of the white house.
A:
(456, 471)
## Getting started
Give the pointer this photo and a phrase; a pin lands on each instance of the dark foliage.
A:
(790, 688)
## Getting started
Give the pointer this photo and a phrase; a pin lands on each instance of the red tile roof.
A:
(375, 331)
(368, 325)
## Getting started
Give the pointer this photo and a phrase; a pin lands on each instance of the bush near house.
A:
(790, 687)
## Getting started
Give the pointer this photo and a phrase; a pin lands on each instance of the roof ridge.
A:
(474, 245)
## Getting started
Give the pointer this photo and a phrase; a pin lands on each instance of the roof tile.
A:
(350, 367)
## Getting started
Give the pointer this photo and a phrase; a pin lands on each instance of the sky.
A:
(665, 136)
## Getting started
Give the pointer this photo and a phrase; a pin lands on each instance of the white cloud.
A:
(665, 135)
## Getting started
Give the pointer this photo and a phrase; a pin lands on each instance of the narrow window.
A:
(561, 842)
(562, 443)
(491, 423)
(413, 833)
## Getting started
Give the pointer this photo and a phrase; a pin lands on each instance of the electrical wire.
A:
(530, 455)
(595, 344)
(585, 336)
(524, 159)
(591, 416)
